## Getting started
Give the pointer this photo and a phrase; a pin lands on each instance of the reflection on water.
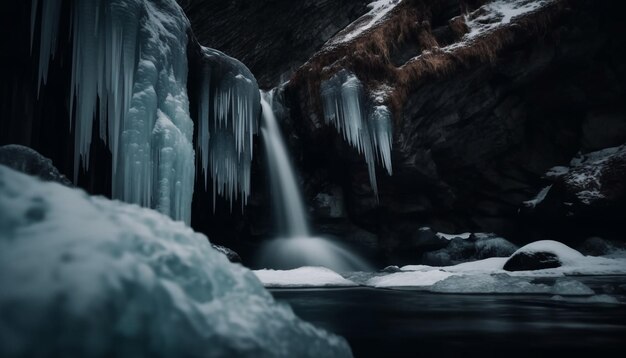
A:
(388, 323)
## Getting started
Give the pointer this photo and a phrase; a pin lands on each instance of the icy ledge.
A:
(86, 276)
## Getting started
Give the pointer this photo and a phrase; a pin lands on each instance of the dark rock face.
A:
(528, 261)
(272, 38)
(30, 162)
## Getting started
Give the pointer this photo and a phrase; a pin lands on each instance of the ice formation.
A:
(365, 127)
(228, 113)
(503, 284)
(91, 277)
(129, 64)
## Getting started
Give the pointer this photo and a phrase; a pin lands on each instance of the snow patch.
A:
(464, 236)
(302, 277)
(378, 10)
(497, 14)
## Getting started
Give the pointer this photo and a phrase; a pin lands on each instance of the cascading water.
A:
(297, 248)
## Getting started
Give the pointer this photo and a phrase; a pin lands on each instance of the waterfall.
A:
(298, 248)
(284, 189)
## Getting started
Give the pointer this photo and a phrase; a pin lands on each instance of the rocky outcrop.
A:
(478, 120)
(272, 39)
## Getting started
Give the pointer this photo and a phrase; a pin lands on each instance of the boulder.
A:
(541, 255)
(530, 261)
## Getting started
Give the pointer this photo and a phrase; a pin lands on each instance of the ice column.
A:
(365, 127)
(229, 110)
(129, 62)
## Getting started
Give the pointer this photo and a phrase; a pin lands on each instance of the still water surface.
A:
(409, 323)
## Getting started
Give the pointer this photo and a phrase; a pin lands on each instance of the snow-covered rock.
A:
(595, 177)
(86, 276)
(592, 180)
(541, 255)
(302, 277)
(29, 161)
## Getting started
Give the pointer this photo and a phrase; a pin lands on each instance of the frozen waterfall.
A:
(365, 127)
(297, 248)
(228, 119)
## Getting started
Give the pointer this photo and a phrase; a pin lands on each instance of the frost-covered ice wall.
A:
(130, 65)
(228, 115)
(129, 71)
(367, 127)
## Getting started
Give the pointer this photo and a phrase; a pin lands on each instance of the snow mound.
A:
(564, 253)
(86, 276)
(409, 279)
(505, 284)
(302, 277)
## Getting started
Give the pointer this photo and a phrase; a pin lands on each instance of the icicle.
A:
(366, 129)
(130, 55)
(228, 122)
(49, 29)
